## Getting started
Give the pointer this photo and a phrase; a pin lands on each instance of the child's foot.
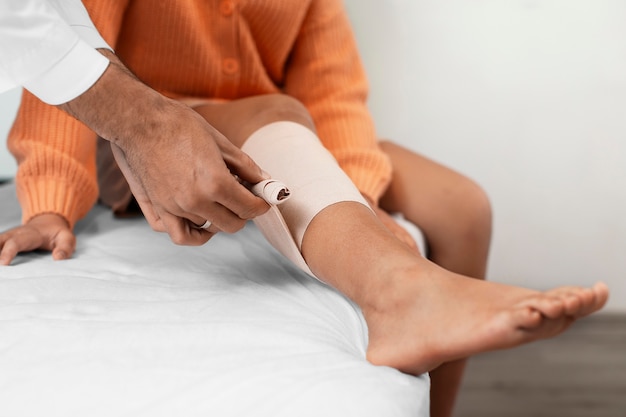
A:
(435, 316)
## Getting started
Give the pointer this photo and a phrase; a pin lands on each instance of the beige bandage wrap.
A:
(293, 154)
(272, 191)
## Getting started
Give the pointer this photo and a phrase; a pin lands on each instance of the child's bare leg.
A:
(418, 314)
(455, 216)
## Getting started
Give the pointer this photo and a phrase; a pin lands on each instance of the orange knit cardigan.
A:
(225, 49)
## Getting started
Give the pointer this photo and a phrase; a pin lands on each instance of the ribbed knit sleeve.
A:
(224, 50)
(326, 74)
(239, 48)
(107, 17)
(56, 161)
(55, 152)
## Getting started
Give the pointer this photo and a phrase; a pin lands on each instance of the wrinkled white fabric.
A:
(134, 325)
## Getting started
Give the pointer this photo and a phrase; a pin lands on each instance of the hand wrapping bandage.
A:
(293, 154)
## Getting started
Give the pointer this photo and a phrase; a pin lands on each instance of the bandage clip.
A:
(272, 191)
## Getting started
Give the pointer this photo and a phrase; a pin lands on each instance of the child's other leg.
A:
(455, 216)
(452, 211)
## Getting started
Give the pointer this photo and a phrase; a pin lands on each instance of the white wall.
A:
(8, 106)
(528, 97)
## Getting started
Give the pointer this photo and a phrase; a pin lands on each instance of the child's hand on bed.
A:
(49, 232)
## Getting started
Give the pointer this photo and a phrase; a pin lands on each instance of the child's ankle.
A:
(391, 290)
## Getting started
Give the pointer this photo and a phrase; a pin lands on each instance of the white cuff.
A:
(74, 74)
(91, 36)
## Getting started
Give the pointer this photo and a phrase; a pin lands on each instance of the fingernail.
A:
(60, 255)
(265, 175)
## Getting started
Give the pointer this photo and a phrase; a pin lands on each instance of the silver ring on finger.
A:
(205, 226)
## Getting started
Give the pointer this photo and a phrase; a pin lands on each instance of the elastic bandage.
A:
(293, 154)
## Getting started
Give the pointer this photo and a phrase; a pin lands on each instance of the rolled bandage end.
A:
(272, 191)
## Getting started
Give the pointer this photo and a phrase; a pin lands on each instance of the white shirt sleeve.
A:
(49, 48)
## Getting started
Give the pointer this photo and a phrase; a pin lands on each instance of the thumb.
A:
(241, 164)
(63, 245)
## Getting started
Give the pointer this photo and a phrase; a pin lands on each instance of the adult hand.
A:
(49, 232)
(180, 169)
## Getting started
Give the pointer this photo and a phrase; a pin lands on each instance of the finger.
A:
(239, 200)
(138, 190)
(206, 225)
(195, 220)
(25, 241)
(222, 218)
(151, 215)
(19, 242)
(63, 245)
(8, 252)
(227, 203)
(240, 163)
(182, 232)
(196, 212)
(4, 259)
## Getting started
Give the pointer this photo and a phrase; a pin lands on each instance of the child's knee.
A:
(474, 210)
(238, 119)
(281, 107)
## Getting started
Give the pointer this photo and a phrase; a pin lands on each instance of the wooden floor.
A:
(581, 373)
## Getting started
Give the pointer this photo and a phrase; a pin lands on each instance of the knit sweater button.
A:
(227, 7)
(230, 65)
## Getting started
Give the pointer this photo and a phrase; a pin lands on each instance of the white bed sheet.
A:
(133, 325)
